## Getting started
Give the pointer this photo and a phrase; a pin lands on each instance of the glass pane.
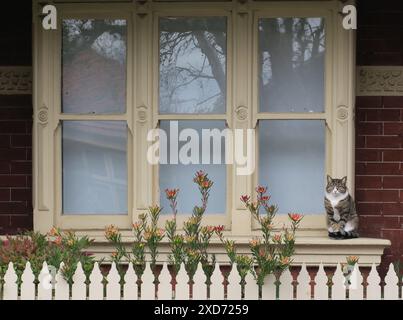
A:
(94, 167)
(291, 63)
(291, 164)
(193, 65)
(180, 175)
(94, 66)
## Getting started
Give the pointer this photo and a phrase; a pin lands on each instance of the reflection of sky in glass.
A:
(94, 66)
(181, 176)
(291, 164)
(94, 167)
(292, 64)
(192, 65)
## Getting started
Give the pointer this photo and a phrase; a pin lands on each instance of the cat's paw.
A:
(334, 235)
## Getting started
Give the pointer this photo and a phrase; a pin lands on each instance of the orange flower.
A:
(285, 261)
(171, 193)
(111, 231)
(58, 241)
(254, 242)
(295, 217)
(352, 260)
(136, 225)
(219, 228)
(261, 189)
(245, 198)
(277, 238)
(54, 232)
(114, 254)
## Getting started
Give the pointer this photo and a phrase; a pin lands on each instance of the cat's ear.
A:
(344, 180)
(329, 179)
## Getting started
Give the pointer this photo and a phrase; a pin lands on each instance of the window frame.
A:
(142, 105)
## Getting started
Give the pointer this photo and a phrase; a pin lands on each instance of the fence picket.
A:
(28, 285)
(62, 288)
(338, 287)
(234, 289)
(10, 288)
(96, 287)
(373, 286)
(130, 289)
(165, 286)
(216, 287)
(182, 284)
(45, 283)
(269, 288)
(113, 287)
(79, 288)
(356, 288)
(199, 284)
(147, 285)
(251, 288)
(391, 288)
(304, 287)
(286, 289)
(321, 291)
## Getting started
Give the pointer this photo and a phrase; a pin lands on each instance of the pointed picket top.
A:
(373, 286)
(251, 288)
(286, 290)
(338, 287)
(356, 288)
(304, 286)
(199, 284)
(216, 286)
(10, 288)
(28, 286)
(164, 287)
(96, 287)
(45, 283)
(182, 284)
(391, 288)
(130, 289)
(269, 288)
(62, 290)
(321, 291)
(113, 284)
(79, 289)
(234, 289)
(147, 285)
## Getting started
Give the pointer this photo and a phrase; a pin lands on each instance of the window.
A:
(112, 72)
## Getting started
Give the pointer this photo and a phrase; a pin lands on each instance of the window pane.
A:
(180, 175)
(94, 66)
(193, 65)
(291, 164)
(291, 63)
(94, 167)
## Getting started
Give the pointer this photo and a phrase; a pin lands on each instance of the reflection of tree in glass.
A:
(292, 64)
(193, 65)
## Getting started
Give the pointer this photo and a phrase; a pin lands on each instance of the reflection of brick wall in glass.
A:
(94, 66)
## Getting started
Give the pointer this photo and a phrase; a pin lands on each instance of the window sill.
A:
(310, 250)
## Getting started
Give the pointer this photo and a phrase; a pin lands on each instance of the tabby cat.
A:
(342, 218)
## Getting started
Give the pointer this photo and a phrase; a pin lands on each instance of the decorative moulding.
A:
(15, 80)
(379, 81)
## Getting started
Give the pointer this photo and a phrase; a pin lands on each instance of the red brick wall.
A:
(15, 125)
(379, 129)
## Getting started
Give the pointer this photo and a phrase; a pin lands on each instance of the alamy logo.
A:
(212, 146)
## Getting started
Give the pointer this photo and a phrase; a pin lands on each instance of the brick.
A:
(28, 154)
(15, 113)
(393, 182)
(364, 182)
(368, 155)
(21, 140)
(393, 128)
(11, 208)
(17, 100)
(377, 196)
(4, 167)
(378, 222)
(12, 154)
(383, 142)
(378, 168)
(382, 115)
(12, 181)
(4, 141)
(374, 128)
(13, 126)
(360, 142)
(392, 209)
(21, 222)
(21, 194)
(369, 208)
(4, 224)
(368, 102)
(393, 102)
(393, 155)
(21, 167)
(4, 194)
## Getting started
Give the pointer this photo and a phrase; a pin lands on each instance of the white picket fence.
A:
(284, 289)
